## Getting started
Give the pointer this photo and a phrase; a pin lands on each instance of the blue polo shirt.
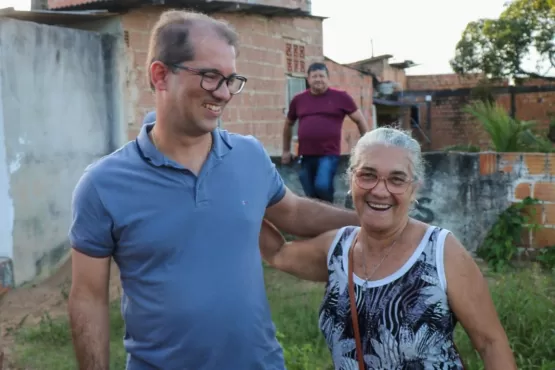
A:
(187, 250)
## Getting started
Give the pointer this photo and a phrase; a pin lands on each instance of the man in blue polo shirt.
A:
(180, 211)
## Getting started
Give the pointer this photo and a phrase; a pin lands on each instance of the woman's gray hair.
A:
(389, 137)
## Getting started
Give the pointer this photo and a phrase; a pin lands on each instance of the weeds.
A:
(524, 300)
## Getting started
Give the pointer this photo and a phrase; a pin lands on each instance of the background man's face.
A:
(318, 80)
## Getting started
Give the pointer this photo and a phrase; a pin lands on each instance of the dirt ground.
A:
(27, 305)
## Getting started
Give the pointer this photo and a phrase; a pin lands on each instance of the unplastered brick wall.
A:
(450, 125)
(442, 81)
(359, 86)
(260, 109)
(532, 175)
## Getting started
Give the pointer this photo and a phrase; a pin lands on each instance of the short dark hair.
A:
(317, 66)
(170, 41)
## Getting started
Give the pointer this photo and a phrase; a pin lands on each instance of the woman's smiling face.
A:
(383, 187)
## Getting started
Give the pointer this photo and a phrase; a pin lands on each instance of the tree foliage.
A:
(500, 47)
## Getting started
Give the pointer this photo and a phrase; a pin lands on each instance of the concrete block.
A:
(6, 275)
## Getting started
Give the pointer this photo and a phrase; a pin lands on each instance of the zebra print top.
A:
(405, 320)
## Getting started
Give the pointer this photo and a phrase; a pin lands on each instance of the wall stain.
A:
(51, 258)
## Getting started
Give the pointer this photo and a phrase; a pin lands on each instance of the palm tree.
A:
(508, 134)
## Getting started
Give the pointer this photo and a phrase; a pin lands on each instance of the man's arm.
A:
(91, 239)
(287, 135)
(290, 120)
(306, 217)
(304, 259)
(88, 311)
(360, 121)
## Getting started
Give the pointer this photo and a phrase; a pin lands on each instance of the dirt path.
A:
(26, 306)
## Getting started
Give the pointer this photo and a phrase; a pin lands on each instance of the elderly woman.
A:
(411, 282)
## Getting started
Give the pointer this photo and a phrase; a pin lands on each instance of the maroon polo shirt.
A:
(320, 120)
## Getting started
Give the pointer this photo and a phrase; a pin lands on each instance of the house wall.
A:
(385, 72)
(450, 125)
(55, 119)
(466, 192)
(260, 109)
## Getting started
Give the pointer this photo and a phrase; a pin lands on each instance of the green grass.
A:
(524, 300)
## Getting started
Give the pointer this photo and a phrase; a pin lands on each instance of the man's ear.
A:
(159, 73)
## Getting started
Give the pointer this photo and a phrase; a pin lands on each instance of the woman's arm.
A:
(471, 302)
(305, 259)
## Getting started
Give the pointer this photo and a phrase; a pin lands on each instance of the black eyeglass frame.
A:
(203, 72)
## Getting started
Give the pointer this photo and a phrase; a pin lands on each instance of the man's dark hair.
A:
(318, 67)
(170, 41)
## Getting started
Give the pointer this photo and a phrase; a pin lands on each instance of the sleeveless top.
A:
(405, 320)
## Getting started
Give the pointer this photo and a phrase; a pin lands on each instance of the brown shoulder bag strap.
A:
(354, 314)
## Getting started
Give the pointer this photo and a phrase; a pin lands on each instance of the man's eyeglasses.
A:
(395, 184)
(212, 80)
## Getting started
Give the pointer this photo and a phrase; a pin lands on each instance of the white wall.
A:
(58, 117)
(6, 202)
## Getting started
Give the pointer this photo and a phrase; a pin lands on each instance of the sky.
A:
(424, 31)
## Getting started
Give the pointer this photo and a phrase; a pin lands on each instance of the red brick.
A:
(544, 237)
(536, 163)
(523, 190)
(550, 164)
(549, 212)
(544, 191)
(488, 163)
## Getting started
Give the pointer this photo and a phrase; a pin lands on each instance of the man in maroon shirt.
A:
(320, 111)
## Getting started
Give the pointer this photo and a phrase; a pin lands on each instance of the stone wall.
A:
(465, 192)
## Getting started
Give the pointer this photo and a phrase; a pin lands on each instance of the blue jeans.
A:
(317, 174)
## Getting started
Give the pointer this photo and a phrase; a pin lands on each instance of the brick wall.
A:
(359, 86)
(442, 81)
(259, 109)
(532, 174)
(451, 126)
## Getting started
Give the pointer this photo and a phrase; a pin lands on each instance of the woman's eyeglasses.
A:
(395, 184)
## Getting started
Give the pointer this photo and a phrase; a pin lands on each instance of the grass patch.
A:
(524, 300)
(47, 346)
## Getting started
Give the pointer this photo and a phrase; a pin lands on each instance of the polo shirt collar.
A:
(221, 145)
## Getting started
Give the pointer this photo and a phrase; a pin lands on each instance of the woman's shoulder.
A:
(341, 239)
